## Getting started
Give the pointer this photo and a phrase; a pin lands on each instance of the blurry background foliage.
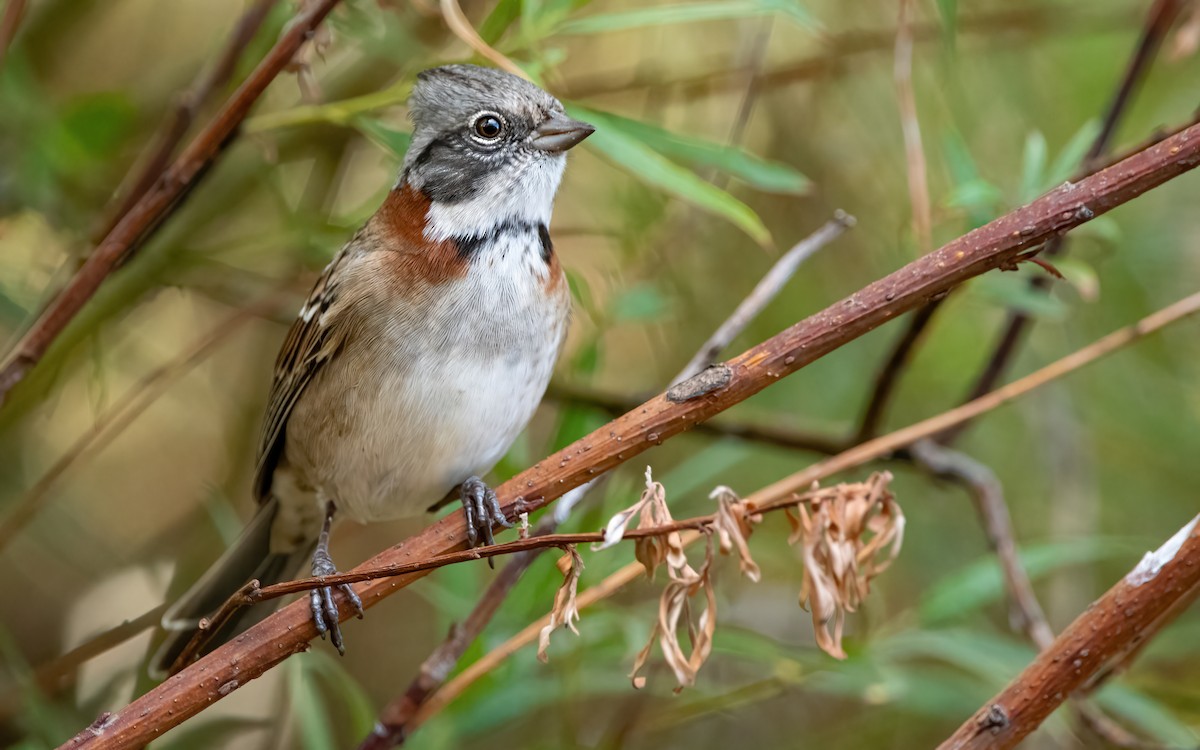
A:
(667, 217)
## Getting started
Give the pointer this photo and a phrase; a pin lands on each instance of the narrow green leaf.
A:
(948, 13)
(661, 15)
(638, 159)
(1080, 275)
(770, 176)
(1011, 291)
(359, 708)
(1149, 715)
(498, 21)
(313, 726)
(1071, 156)
(1033, 167)
(639, 302)
(394, 141)
(980, 583)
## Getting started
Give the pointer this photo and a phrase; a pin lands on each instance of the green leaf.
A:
(948, 14)
(1080, 275)
(394, 141)
(498, 21)
(661, 15)
(98, 122)
(308, 710)
(977, 195)
(1147, 714)
(1011, 290)
(648, 165)
(1033, 167)
(359, 709)
(642, 301)
(769, 176)
(1070, 158)
(980, 583)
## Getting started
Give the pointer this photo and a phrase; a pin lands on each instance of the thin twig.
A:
(889, 375)
(988, 494)
(766, 290)
(396, 720)
(183, 113)
(914, 152)
(998, 244)
(461, 27)
(159, 201)
(123, 412)
(52, 676)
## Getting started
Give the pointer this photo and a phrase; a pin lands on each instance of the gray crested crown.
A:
(444, 98)
(455, 109)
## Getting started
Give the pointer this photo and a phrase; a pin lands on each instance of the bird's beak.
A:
(557, 133)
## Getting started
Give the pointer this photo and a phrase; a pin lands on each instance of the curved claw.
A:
(483, 512)
(322, 601)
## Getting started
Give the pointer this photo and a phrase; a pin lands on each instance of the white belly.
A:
(433, 400)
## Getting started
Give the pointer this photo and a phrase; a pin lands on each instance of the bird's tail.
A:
(247, 558)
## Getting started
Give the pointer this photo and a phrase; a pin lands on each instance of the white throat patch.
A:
(523, 192)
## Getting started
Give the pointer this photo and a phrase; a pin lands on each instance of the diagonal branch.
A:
(1132, 610)
(163, 197)
(184, 111)
(998, 244)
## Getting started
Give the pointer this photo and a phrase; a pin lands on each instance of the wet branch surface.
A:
(999, 244)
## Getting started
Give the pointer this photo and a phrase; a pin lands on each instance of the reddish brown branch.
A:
(997, 244)
(617, 404)
(183, 113)
(1128, 614)
(159, 201)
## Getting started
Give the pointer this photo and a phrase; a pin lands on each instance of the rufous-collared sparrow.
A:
(423, 349)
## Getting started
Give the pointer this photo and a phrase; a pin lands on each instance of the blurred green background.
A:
(728, 131)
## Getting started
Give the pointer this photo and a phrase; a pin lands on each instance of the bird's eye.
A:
(488, 126)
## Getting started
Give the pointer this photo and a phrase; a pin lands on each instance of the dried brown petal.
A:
(849, 534)
(566, 610)
(674, 612)
(733, 529)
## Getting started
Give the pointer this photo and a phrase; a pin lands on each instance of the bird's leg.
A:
(324, 608)
(482, 510)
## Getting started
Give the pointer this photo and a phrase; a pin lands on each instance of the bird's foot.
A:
(482, 511)
(321, 601)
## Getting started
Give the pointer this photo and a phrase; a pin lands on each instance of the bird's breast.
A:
(439, 387)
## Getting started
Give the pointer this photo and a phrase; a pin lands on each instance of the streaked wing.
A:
(310, 343)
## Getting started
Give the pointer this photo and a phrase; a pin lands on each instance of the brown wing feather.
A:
(390, 251)
(310, 342)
